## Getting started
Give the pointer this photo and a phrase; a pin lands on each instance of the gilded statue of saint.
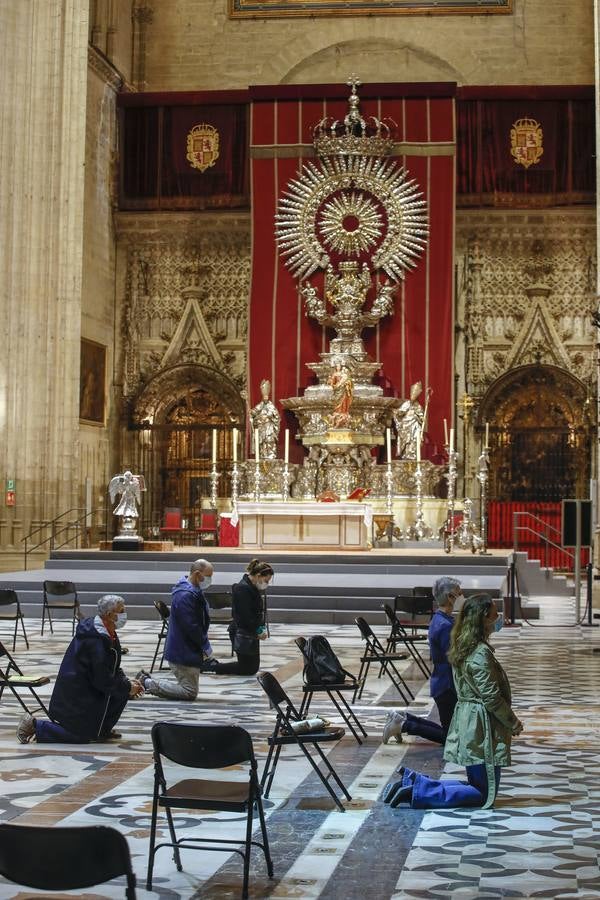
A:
(266, 420)
(409, 422)
(342, 386)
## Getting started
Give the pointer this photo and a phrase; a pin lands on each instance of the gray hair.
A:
(443, 587)
(199, 565)
(108, 602)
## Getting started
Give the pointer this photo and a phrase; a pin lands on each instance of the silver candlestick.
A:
(450, 477)
(389, 490)
(419, 530)
(467, 536)
(482, 477)
(285, 482)
(214, 477)
(257, 480)
(235, 485)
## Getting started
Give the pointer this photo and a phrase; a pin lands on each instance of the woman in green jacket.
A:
(483, 723)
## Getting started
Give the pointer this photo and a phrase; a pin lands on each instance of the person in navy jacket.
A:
(91, 689)
(187, 648)
(446, 592)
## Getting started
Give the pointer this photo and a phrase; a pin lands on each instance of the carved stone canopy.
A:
(160, 395)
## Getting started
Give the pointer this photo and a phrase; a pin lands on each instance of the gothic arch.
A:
(157, 398)
(540, 434)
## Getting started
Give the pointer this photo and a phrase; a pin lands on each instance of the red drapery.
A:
(417, 342)
(501, 533)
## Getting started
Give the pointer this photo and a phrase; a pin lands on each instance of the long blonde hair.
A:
(469, 628)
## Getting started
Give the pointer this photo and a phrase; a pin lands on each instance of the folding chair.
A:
(9, 598)
(399, 635)
(206, 747)
(60, 595)
(283, 733)
(12, 677)
(334, 692)
(375, 654)
(64, 859)
(409, 609)
(164, 612)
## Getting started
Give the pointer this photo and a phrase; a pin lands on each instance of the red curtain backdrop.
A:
(501, 531)
(488, 175)
(417, 342)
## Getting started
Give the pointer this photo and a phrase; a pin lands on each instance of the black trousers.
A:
(247, 664)
(425, 728)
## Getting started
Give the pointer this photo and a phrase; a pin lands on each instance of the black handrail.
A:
(54, 532)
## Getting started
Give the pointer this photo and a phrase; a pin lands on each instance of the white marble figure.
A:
(130, 488)
(266, 420)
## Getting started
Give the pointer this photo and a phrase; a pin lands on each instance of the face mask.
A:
(499, 622)
(262, 585)
(206, 583)
(121, 620)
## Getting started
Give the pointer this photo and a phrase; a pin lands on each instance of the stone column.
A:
(43, 47)
(596, 456)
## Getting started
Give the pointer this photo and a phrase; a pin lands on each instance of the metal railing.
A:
(63, 533)
(541, 536)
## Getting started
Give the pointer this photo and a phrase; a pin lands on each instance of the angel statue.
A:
(409, 421)
(266, 420)
(129, 486)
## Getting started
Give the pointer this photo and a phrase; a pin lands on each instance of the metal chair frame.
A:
(24, 683)
(8, 597)
(375, 654)
(206, 747)
(399, 635)
(164, 612)
(283, 734)
(61, 589)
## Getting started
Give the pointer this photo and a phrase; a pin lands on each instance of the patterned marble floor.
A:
(542, 839)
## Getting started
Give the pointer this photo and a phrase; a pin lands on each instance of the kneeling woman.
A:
(248, 620)
(483, 723)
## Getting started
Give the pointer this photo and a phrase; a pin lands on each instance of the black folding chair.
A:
(164, 612)
(415, 612)
(283, 734)
(335, 694)
(60, 595)
(8, 598)
(206, 747)
(12, 677)
(375, 655)
(63, 859)
(399, 635)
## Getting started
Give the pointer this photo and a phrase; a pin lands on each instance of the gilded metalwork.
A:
(351, 224)
(526, 142)
(257, 9)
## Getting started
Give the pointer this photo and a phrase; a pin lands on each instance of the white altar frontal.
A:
(304, 525)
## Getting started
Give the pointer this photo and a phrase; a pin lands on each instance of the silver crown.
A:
(354, 135)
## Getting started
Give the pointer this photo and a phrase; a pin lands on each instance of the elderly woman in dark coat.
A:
(91, 689)
(483, 723)
(247, 627)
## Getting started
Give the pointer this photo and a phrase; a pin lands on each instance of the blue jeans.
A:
(429, 793)
(429, 730)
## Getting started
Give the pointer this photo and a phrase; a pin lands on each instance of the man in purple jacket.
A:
(187, 648)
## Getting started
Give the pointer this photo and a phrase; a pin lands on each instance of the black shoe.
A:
(403, 795)
(391, 788)
(209, 665)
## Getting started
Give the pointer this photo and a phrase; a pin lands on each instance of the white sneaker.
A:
(393, 726)
(26, 728)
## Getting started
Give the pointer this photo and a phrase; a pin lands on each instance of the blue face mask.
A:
(206, 583)
(499, 622)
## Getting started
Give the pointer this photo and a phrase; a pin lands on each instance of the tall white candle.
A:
(286, 454)
(451, 447)
(418, 443)
(388, 442)
(235, 440)
(214, 446)
(445, 432)
(487, 435)
(256, 445)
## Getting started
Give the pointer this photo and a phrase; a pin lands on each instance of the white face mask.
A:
(121, 620)
(206, 582)
(262, 585)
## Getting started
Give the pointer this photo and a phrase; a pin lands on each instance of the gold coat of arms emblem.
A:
(526, 138)
(202, 146)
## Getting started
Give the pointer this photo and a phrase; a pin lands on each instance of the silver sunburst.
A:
(308, 208)
(335, 228)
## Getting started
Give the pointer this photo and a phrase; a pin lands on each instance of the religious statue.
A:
(342, 386)
(266, 420)
(409, 421)
(130, 488)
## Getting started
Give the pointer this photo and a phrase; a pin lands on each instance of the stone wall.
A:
(43, 46)
(193, 45)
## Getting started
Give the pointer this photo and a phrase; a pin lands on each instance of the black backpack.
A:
(321, 665)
